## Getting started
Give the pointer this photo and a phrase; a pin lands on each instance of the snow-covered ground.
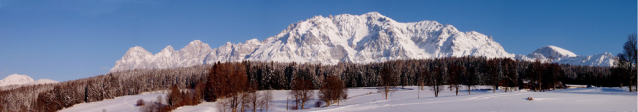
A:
(590, 99)
(577, 99)
(119, 104)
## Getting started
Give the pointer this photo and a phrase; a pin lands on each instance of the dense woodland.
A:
(233, 83)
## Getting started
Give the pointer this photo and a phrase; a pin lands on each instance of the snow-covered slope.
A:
(559, 55)
(365, 38)
(16, 79)
(370, 37)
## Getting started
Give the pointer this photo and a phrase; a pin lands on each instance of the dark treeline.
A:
(278, 76)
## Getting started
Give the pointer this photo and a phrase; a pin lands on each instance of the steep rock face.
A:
(193, 53)
(233, 52)
(559, 55)
(370, 37)
(135, 58)
(138, 58)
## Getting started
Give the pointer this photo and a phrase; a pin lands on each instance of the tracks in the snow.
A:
(379, 104)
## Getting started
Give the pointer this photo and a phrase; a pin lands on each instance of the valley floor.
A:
(405, 100)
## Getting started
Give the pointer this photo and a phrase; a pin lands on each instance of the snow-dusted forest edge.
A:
(229, 82)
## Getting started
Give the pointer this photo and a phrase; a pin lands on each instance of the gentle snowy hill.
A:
(366, 38)
(559, 55)
(15, 79)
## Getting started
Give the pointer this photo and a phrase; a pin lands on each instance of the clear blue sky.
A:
(71, 39)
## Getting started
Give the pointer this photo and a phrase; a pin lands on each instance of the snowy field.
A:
(119, 104)
(405, 100)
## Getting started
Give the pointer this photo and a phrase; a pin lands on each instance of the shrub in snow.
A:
(140, 102)
(318, 104)
(530, 98)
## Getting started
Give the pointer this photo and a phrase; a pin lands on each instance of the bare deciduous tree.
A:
(302, 91)
(627, 60)
(265, 101)
(454, 80)
(332, 90)
(436, 81)
(251, 97)
(471, 79)
(388, 82)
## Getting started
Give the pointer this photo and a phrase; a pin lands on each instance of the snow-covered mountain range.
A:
(365, 38)
(16, 79)
(559, 55)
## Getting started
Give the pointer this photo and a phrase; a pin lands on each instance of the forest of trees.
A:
(235, 84)
(203, 82)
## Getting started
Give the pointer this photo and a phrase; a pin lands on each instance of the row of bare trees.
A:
(229, 85)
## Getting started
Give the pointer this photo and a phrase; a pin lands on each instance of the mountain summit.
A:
(551, 52)
(559, 55)
(16, 79)
(138, 58)
(365, 38)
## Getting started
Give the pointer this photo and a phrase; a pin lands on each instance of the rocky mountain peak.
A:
(373, 14)
(138, 52)
(168, 48)
(551, 51)
(196, 44)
